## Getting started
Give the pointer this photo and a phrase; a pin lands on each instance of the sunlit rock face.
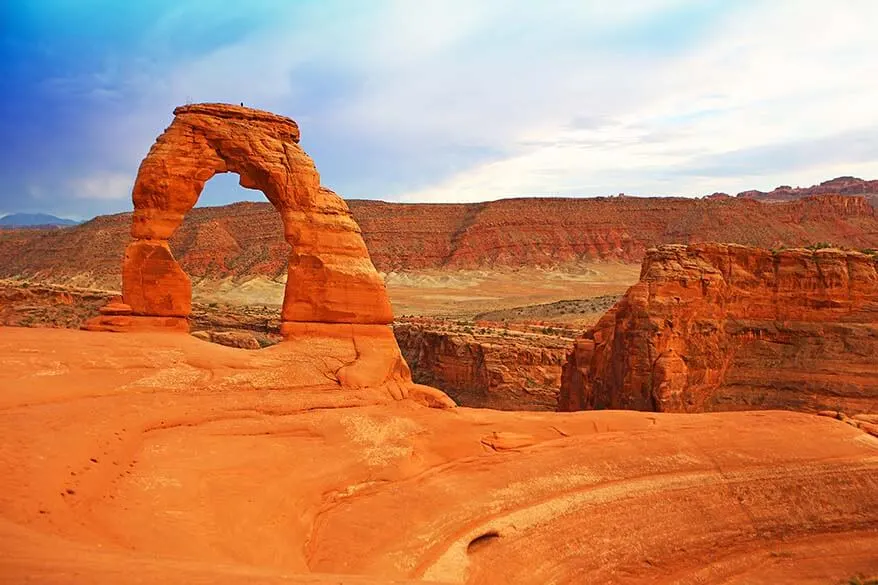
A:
(331, 278)
(727, 327)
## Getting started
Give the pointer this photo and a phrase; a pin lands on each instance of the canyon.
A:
(726, 327)
(486, 365)
(450, 263)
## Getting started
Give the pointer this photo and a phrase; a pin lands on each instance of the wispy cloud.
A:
(464, 101)
(102, 185)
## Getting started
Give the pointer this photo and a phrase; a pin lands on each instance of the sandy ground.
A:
(459, 293)
(463, 294)
(159, 458)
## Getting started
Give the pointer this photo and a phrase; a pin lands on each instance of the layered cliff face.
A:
(725, 327)
(244, 240)
(483, 367)
(549, 231)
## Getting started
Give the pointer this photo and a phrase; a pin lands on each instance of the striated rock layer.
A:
(147, 458)
(245, 240)
(725, 327)
(484, 367)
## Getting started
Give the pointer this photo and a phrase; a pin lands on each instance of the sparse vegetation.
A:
(567, 311)
(860, 580)
(819, 246)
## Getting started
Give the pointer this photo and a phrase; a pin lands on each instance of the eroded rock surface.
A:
(483, 366)
(333, 296)
(330, 277)
(727, 327)
(244, 240)
(838, 185)
(156, 458)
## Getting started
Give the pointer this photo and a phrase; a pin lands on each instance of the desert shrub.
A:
(819, 246)
(775, 251)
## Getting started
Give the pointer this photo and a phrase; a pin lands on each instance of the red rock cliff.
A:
(244, 240)
(839, 185)
(486, 368)
(727, 327)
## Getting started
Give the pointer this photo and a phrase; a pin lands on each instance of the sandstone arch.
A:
(331, 278)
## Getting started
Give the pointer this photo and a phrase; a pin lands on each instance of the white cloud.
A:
(778, 73)
(102, 185)
(554, 90)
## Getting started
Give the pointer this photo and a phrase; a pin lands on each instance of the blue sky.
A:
(416, 100)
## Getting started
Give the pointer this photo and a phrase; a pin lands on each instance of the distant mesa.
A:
(837, 186)
(246, 240)
(34, 220)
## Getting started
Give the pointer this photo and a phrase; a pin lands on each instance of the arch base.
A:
(133, 323)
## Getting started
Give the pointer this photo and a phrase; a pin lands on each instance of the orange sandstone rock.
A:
(727, 327)
(331, 278)
(162, 459)
(487, 368)
(153, 283)
(334, 297)
(125, 323)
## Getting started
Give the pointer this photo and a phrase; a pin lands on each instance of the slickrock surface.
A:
(726, 327)
(483, 365)
(243, 240)
(159, 458)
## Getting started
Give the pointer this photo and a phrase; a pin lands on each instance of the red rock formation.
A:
(334, 297)
(161, 459)
(839, 185)
(533, 232)
(724, 327)
(486, 368)
(330, 276)
(243, 240)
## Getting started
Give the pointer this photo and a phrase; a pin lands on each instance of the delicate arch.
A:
(331, 278)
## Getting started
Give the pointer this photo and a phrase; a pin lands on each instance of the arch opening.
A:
(231, 246)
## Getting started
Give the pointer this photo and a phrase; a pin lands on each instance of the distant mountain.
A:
(245, 240)
(35, 220)
(837, 186)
